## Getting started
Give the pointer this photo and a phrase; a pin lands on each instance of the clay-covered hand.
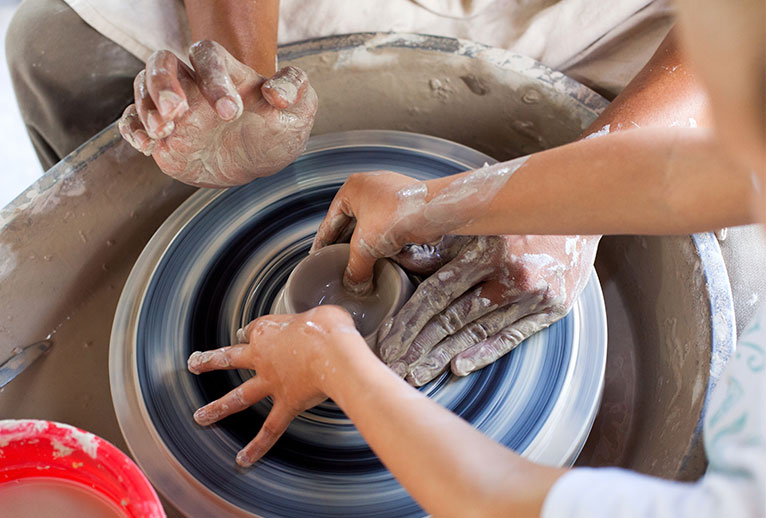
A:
(485, 295)
(219, 124)
(376, 210)
(287, 352)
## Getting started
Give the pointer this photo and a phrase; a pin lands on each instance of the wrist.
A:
(454, 202)
(346, 354)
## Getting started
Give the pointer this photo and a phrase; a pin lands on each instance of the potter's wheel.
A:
(220, 260)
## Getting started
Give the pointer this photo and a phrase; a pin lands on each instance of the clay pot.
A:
(318, 279)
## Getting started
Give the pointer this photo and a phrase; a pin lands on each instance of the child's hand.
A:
(291, 357)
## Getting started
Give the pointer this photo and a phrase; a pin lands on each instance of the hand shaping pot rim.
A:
(390, 283)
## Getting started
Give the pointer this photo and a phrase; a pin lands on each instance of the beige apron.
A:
(601, 43)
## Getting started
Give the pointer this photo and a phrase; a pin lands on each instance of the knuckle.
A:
(240, 397)
(438, 359)
(203, 46)
(450, 321)
(477, 331)
(509, 337)
(269, 434)
(257, 328)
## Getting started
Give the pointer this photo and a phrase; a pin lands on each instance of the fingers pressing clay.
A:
(275, 425)
(242, 397)
(163, 85)
(489, 350)
(132, 129)
(333, 225)
(211, 64)
(285, 88)
(357, 278)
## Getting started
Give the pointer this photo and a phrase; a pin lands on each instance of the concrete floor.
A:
(17, 156)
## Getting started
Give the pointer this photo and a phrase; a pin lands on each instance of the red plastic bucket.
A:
(32, 450)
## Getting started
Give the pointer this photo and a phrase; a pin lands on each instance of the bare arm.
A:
(664, 93)
(647, 181)
(246, 28)
(449, 467)
(654, 181)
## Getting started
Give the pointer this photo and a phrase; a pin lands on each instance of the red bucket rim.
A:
(31, 448)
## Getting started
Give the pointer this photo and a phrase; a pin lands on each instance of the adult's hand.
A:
(486, 294)
(288, 354)
(219, 124)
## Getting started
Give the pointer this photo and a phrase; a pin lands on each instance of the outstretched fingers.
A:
(273, 427)
(229, 357)
(476, 332)
(242, 397)
(467, 308)
(491, 349)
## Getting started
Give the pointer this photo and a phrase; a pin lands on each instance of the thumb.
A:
(427, 258)
(285, 88)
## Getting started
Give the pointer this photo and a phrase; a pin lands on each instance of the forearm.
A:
(648, 181)
(247, 29)
(664, 93)
(450, 468)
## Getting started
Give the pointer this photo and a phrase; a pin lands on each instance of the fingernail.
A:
(193, 362)
(168, 103)
(241, 335)
(286, 90)
(462, 367)
(139, 138)
(243, 459)
(200, 416)
(399, 368)
(226, 108)
(420, 375)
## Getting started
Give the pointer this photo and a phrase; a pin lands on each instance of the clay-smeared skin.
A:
(295, 381)
(404, 211)
(486, 294)
(220, 124)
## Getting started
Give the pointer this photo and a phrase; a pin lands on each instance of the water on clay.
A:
(45, 496)
(367, 311)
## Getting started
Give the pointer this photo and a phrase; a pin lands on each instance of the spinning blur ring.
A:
(220, 260)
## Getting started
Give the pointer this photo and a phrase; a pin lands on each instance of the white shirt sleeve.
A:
(735, 442)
